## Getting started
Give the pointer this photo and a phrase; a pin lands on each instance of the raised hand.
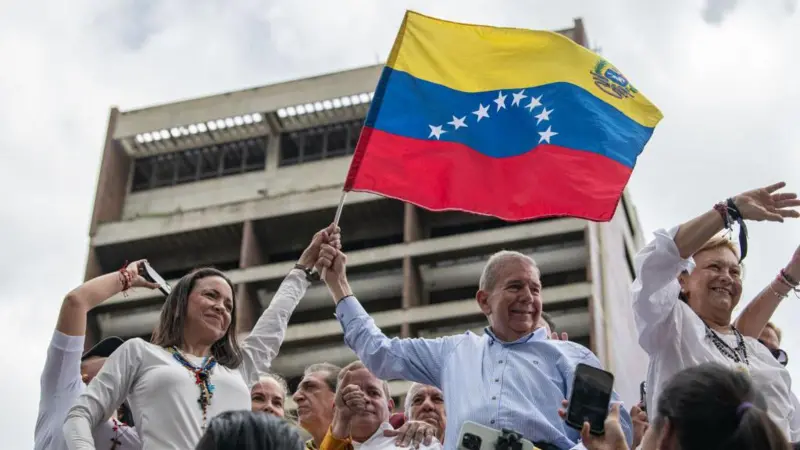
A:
(413, 433)
(767, 204)
(640, 424)
(137, 280)
(793, 268)
(330, 235)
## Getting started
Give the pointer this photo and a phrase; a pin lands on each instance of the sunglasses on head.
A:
(779, 354)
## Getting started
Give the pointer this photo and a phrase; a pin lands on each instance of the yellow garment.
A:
(332, 443)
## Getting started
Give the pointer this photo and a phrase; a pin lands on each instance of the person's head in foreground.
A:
(269, 395)
(713, 288)
(426, 404)
(712, 407)
(201, 312)
(509, 294)
(247, 430)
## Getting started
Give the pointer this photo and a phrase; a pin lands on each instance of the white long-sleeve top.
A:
(61, 384)
(162, 393)
(675, 337)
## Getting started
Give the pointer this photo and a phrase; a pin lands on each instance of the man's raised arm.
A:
(419, 360)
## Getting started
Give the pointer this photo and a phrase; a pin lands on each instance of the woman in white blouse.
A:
(688, 283)
(193, 369)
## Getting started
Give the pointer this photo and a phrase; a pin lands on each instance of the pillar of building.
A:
(412, 283)
(109, 199)
(247, 305)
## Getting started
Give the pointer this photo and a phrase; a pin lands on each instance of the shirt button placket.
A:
(497, 375)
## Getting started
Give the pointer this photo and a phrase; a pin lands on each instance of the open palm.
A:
(767, 204)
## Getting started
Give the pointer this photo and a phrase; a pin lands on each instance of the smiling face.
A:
(209, 309)
(714, 287)
(512, 300)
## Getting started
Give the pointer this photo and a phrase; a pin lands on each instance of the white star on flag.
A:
(518, 97)
(483, 111)
(458, 123)
(544, 115)
(437, 132)
(500, 100)
(546, 135)
(534, 103)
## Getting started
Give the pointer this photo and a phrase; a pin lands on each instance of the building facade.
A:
(241, 181)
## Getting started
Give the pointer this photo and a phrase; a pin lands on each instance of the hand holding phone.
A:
(591, 395)
(147, 272)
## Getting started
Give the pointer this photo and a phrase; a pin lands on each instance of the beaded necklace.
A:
(738, 354)
(201, 376)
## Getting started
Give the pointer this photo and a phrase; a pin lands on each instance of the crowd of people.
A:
(713, 382)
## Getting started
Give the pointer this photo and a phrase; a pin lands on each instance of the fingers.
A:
(406, 433)
(565, 403)
(564, 336)
(392, 433)
(774, 187)
(614, 413)
(783, 196)
(419, 436)
(554, 336)
(429, 435)
(789, 213)
(586, 435)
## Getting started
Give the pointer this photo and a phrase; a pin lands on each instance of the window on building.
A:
(194, 164)
(314, 144)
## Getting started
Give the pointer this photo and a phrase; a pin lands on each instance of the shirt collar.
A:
(538, 334)
(375, 437)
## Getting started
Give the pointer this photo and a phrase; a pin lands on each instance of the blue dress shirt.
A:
(517, 385)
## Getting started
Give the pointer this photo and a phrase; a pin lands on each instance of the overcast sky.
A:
(723, 72)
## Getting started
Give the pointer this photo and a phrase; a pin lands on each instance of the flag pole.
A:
(336, 223)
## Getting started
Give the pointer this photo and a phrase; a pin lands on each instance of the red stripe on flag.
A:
(546, 181)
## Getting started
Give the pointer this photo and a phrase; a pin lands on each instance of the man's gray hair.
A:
(412, 391)
(332, 371)
(496, 262)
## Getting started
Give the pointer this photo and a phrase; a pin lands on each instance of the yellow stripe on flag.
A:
(476, 58)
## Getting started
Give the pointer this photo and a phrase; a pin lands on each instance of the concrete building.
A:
(242, 180)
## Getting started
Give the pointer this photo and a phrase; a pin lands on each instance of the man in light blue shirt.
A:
(510, 377)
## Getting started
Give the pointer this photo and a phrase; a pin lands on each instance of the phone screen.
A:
(591, 394)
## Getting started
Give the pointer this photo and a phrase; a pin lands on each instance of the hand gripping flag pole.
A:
(336, 223)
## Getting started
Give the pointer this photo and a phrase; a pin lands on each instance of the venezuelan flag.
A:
(511, 123)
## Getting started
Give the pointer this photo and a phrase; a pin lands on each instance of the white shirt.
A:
(675, 337)
(380, 442)
(162, 393)
(61, 384)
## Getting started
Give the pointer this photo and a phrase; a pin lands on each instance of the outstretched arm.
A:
(79, 301)
(419, 360)
(266, 338)
(759, 311)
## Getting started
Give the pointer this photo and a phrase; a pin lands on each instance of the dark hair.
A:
(712, 407)
(549, 319)
(246, 430)
(332, 373)
(169, 330)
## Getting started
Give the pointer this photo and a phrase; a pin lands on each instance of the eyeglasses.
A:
(779, 354)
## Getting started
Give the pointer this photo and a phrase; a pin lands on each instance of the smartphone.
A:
(591, 394)
(475, 436)
(643, 396)
(150, 274)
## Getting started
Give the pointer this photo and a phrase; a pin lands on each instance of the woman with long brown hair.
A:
(193, 369)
